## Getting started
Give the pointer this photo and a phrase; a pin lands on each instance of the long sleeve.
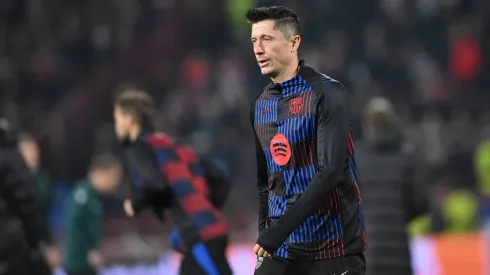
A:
(95, 231)
(78, 215)
(218, 181)
(73, 218)
(46, 189)
(415, 193)
(333, 126)
(262, 179)
(153, 190)
(262, 186)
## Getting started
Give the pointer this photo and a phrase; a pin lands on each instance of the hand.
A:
(128, 208)
(259, 251)
(96, 258)
(52, 256)
(270, 239)
(176, 241)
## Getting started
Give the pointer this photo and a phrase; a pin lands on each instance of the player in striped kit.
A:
(167, 176)
(310, 217)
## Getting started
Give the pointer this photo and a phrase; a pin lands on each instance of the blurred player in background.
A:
(166, 175)
(386, 165)
(310, 214)
(83, 230)
(21, 217)
(30, 152)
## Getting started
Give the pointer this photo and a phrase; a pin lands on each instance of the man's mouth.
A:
(263, 63)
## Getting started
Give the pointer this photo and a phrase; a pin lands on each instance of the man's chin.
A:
(123, 139)
(266, 71)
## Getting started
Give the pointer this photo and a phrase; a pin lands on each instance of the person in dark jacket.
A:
(30, 151)
(169, 176)
(22, 228)
(83, 230)
(392, 194)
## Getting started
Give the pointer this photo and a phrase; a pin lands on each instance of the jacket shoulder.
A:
(159, 140)
(320, 83)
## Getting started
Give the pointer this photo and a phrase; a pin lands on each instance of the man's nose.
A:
(258, 49)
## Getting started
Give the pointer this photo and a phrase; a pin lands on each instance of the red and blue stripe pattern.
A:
(180, 167)
(321, 234)
(353, 170)
(355, 177)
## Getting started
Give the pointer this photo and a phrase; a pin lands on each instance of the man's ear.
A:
(295, 42)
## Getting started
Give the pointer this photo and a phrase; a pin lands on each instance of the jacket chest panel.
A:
(293, 117)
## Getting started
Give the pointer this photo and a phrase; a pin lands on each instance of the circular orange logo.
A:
(280, 149)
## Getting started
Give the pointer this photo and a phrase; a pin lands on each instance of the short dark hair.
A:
(103, 161)
(139, 104)
(285, 19)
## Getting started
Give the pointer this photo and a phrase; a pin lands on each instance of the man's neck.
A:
(288, 73)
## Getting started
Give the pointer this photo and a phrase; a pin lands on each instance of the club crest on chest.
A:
(296, 105)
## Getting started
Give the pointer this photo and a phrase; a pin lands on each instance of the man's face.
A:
(30, 153)
(122, 123)
(271, 48)
(107, 180)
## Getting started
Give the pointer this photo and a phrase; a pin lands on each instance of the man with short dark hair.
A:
(167, 175)
(310, 211)
(83, 230)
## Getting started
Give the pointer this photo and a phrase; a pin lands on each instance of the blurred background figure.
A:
(22, 230)
(82, 250)
(60, 62)
(392, 196)
(31, 153)
(167, 176)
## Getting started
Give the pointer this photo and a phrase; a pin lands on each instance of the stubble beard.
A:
(271, 74)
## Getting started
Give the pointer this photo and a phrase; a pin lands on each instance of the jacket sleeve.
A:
(154, 191)
(22, 197)
(218, 181)
(44, 180)
(415, 191)
(262, 178)
(94, 229)
(73, 214)
(333, 127)
(74, 208)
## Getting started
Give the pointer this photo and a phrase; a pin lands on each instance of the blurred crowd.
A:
(61, 61)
